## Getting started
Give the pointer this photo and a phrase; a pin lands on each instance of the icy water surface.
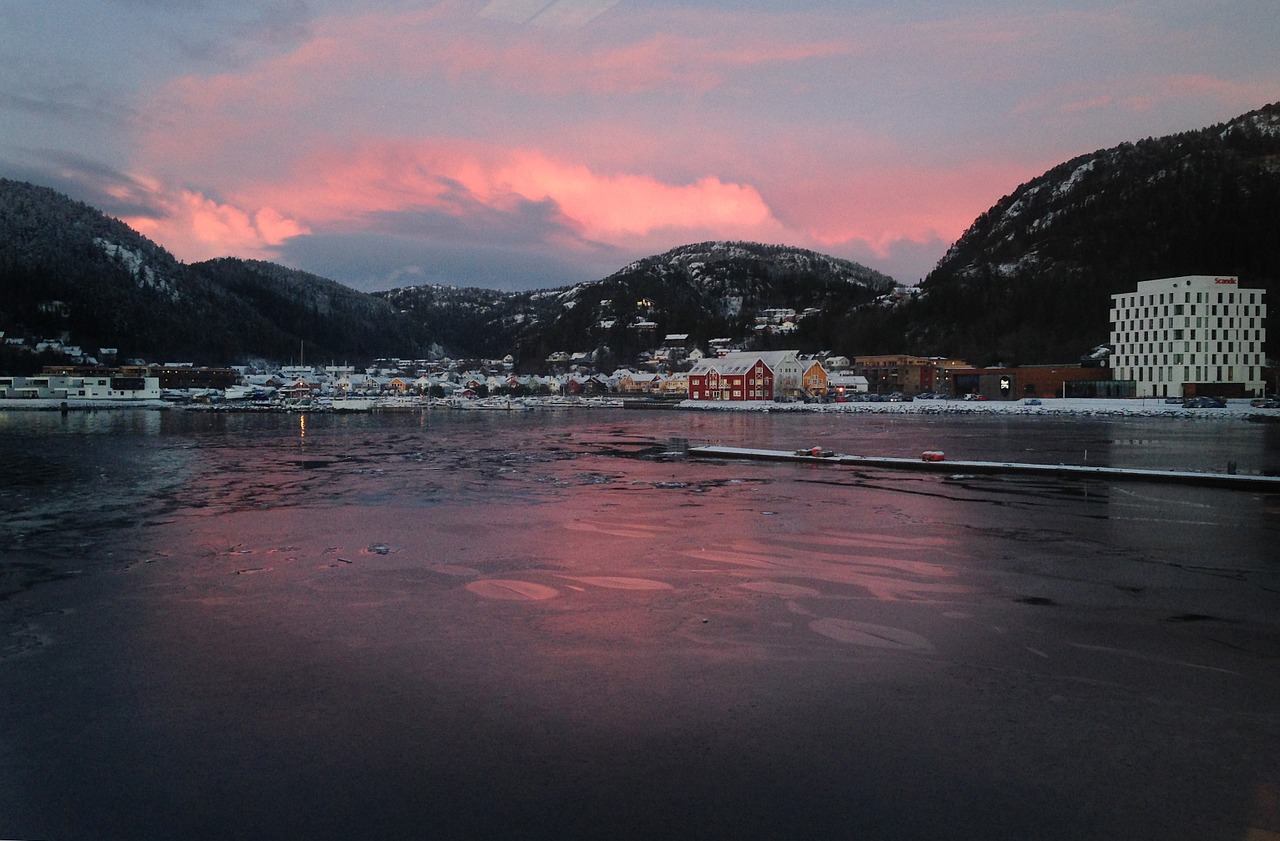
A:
(552, 625)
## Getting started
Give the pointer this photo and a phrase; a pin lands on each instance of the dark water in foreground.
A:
(544, 625)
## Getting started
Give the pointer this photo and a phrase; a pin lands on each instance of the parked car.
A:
(1205, 403)
(1031, 401)
(1265, 403)
(1177, 400)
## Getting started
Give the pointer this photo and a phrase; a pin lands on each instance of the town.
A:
(1194, 339)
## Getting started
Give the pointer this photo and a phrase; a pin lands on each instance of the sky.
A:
(529, 144)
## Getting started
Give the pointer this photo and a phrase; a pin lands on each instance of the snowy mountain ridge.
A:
(1031, 279)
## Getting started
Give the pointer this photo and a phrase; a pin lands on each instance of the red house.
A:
(736, 377)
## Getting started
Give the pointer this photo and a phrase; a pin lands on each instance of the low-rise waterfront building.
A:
(769, 375)
(1001, 383)
(184, 376)
(842, 384)
(101, 386)
(907, 374)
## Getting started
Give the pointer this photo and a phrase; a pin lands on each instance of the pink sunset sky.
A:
(520, 144)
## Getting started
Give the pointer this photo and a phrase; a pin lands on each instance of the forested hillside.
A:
(1031, 280)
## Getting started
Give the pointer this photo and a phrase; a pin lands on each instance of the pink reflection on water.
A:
(622, 559)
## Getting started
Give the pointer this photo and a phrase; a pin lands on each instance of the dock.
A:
(1235, 481)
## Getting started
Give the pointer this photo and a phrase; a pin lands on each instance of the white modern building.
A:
(104, 388)
(1191, 335)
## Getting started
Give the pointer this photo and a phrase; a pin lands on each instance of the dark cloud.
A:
(282, 23)
(374, 261)
(170, 5)
(524, 223)
(77, 104)
(527, 245)
(84, 179)
(252, 29)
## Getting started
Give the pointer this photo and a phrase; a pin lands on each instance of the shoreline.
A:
(1051, 407)
(1238, 409)
(39, 404)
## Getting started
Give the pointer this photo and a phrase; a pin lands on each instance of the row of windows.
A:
(1198, 373)
(1258, 311)
(757, 387)
(1129, 360)
(1123, 349)
(726, 394)
(1200, 321)
(1154, 299)
(1147, 337)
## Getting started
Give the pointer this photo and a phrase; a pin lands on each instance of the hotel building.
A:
(1188, 336)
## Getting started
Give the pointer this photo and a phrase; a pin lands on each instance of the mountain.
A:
(70, 271)
(705, 290)
(1030, 281)
(464, 322)
(332, 320)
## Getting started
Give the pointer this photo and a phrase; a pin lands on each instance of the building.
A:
(840, 385)
(639, 383)
(1188, 336)
(1036, 381)
(814, 380)
(771, 375)
(910, 375)
(735, 377)
(182, 376)
(103, 386)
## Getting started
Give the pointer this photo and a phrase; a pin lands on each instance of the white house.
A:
(845, 383)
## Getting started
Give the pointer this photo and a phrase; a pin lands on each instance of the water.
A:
(550, 625)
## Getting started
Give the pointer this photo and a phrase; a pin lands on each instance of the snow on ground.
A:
(1131, 407)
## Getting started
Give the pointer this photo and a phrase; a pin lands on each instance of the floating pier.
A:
(1264, 484)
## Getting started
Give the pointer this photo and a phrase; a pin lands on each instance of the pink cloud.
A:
(606, 206)
(1146, 93)
(195, 227)
(643, 129)
(387, 176)
(267, 132)
(426, 47)
(880, 209)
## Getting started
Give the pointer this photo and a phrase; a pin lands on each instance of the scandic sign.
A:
(1230, 281)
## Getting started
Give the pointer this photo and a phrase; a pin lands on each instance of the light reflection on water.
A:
(553, 626)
